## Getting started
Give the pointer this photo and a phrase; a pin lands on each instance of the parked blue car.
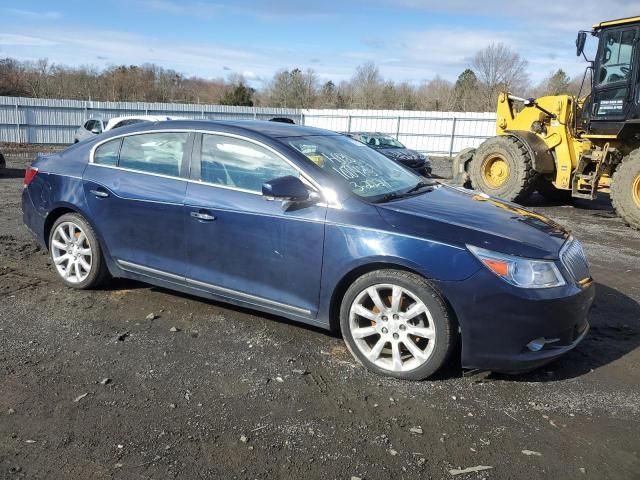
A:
(316, 227)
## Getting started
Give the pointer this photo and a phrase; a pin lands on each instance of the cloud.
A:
(441, 43)
(263, 9)
(31, 15)
(17, 40)
(194, 9)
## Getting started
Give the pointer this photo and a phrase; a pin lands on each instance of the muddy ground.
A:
(90, 388)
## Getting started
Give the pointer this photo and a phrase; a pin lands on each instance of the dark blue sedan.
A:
(319, 228)
(391, 148)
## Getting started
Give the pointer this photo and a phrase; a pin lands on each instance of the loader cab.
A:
(614, 103)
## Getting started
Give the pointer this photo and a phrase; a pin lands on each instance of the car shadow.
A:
(452, 369)
(601, 204)
(12, 173)
(614, 320)
(238, 309)
(615, 331)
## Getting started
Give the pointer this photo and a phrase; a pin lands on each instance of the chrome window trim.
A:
(303, 174)
(132, 267)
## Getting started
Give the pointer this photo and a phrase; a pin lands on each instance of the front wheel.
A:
(395, 323)
(625, 190)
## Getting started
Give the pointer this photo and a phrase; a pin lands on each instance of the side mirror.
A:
(580, 41)
(288, 188)
(96, 130)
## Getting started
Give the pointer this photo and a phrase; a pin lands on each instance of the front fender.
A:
(355, 247)
(541, 157)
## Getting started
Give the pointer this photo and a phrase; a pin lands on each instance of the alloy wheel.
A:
(392, 327)
(71, 252)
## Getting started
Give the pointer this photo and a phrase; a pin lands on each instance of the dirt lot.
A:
(90, 388)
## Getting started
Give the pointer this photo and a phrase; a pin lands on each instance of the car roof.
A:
(263, 127)
(372, 134)
(146, 118)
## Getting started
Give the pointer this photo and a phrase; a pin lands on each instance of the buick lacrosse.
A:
(316, 227)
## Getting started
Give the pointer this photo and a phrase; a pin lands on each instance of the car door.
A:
(242, 246)
(135, 187)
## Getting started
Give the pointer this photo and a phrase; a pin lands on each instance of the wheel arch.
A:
(356, 272)
(54, 215)
(541, 157)
(64, 208)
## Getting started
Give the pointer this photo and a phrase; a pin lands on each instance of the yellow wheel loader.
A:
(566, 147)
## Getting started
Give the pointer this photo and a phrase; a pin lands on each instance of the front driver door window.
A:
(243, 246)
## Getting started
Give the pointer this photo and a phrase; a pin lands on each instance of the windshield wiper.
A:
(387, 197)
(417, 186)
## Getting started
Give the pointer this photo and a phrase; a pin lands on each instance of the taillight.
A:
(29, 174)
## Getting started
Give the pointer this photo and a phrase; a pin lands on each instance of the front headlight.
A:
(519, 271)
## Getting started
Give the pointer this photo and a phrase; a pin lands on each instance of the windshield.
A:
(617, 51)
(368, 173)
(381, 141)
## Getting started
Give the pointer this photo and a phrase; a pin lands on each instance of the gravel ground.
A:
(92, 388)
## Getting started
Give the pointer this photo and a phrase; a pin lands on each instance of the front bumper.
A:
(498, 322)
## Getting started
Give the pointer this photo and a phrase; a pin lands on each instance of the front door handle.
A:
(202, 215)
(99, 193)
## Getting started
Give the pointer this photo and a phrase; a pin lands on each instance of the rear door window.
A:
(161, 153)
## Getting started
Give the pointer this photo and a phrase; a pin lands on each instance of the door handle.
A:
(99, 193)
(204, 216)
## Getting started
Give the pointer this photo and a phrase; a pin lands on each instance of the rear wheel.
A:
(76, 253)
(625, 189)
(502, 167)
(395, 323)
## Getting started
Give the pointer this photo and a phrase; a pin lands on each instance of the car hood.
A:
(457, 216)
(401, 154)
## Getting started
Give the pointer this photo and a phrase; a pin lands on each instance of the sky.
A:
(409, 40)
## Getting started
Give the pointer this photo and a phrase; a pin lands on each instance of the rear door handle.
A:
(203, 215)
(99, 193)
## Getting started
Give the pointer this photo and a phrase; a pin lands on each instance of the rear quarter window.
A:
(108, 153)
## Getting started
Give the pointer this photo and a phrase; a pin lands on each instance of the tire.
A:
(433, 332)
(551, 193)
(460, 166)
(68, 256)
(514, 179)
(625, 190)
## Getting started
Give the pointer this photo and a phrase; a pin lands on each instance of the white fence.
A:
(442, 133)
(33, 120)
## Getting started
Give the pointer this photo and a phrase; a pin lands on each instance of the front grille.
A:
(574, 260)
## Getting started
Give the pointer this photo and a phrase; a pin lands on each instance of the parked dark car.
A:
(316, 227)
(393, 149)
(3, 163)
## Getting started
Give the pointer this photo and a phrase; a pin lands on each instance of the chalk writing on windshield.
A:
(362, 178)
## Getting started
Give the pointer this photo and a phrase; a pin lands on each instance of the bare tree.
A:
(367, 86)
(498, 68)
(436, 95)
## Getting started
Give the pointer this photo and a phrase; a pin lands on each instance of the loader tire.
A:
(502, 167)
(625, 189)
(548, 190)
(460, 167)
